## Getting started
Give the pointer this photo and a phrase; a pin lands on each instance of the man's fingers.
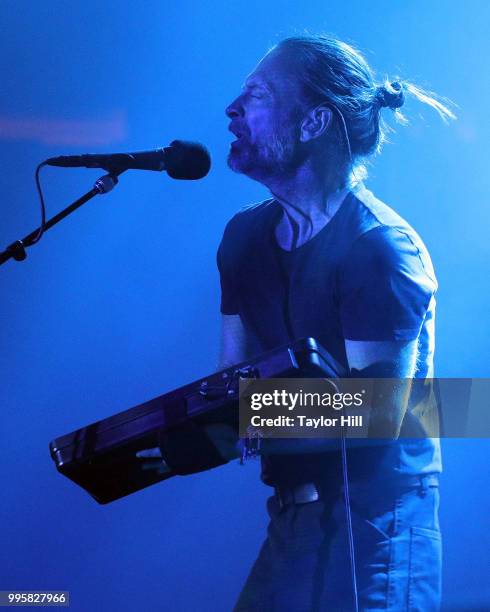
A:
(153, 461)
(149, 453)
(157, 467)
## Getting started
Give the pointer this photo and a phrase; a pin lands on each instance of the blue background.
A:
(120, 303)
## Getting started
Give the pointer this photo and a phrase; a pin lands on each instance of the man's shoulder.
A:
(251, 213)
(249, 221)
(371, 212)
(380, 229)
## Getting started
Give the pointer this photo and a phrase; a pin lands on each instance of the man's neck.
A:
(304, 190)
(309, 200)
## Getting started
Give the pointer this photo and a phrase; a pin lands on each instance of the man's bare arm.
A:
(233, 349)
(398, 357)
(233, 343)
(393, 360)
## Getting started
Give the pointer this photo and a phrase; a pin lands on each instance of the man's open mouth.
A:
(237, 133)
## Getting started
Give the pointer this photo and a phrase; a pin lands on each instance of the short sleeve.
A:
(229, 290)
(385, 287)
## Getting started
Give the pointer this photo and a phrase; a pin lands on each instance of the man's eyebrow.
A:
(252, 83)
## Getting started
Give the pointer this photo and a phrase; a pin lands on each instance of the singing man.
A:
(323, 257)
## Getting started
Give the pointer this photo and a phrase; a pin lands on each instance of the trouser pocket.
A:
(424, 586)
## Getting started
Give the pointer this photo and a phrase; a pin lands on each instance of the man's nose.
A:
(235, 109)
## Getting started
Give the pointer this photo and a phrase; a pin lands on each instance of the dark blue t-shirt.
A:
(365, 276)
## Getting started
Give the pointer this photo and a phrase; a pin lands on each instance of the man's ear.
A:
(316, 123)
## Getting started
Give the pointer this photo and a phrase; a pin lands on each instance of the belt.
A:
(309, 492)
(301, 494)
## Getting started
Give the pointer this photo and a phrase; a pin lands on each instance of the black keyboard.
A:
(101, 457)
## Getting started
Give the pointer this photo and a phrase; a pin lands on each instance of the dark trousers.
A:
(304, 564)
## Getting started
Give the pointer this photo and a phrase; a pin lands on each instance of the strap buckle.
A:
(301, 494)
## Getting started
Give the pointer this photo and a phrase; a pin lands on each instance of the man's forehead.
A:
(269, 72)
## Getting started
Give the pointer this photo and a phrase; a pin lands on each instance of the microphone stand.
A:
(17, 250)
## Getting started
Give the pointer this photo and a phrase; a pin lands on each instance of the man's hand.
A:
(153, 460)
(225, 440)
(222, 436)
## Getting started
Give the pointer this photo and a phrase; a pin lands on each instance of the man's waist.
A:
(312, 491)
(396, 461)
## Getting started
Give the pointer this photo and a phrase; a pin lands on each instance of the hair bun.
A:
(390, 95)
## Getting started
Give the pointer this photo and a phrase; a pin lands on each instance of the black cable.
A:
(348, 514)
(37, 238)
(345, 473)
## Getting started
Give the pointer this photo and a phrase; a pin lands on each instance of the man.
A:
(325, 258)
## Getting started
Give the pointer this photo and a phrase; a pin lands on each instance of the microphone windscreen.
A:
(187, 160)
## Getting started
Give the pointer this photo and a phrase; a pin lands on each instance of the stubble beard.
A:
(271, 158)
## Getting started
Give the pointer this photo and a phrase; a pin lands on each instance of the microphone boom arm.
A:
(17, 250)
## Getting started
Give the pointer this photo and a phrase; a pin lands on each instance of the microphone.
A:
(181, 160)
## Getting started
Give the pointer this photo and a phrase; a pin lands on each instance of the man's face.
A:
(265, 118)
